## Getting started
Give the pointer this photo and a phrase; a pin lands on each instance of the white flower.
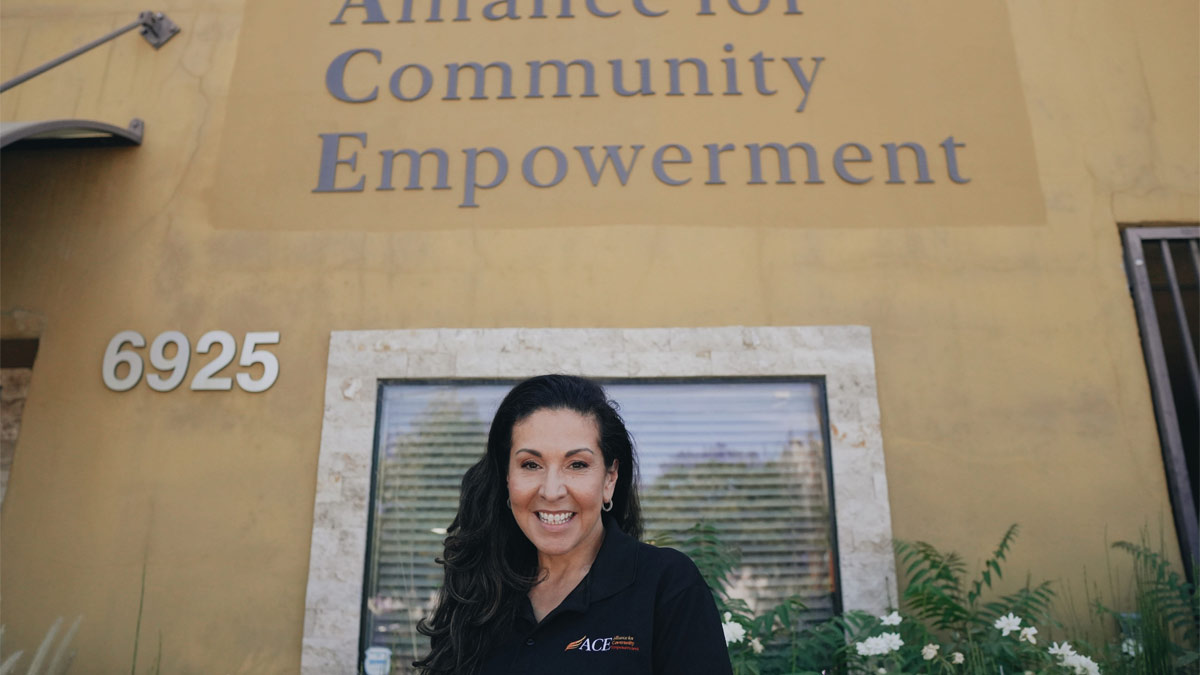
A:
(1027, 634)
(868, 647)
(756, 645)
(879, 645)
(929, 651)
(1069, 658)
(882, 670)
(1061, 650)
(1081, 665)
(957, 657)
(1131, 647)
(1008, 623)
(892, 619)
(727, 618)
(734, 632)
(889, 642)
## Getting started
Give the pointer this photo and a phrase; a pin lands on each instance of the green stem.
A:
(138, 628)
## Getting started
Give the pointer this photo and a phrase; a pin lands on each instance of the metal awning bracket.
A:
(157, 28)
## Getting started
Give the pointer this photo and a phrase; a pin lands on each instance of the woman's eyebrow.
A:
(570, 453)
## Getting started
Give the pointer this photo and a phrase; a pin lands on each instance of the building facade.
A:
(917, 205)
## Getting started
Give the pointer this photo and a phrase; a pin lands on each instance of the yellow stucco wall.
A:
(1011, 381)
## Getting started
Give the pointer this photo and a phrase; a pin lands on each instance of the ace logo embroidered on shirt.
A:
(606, 644)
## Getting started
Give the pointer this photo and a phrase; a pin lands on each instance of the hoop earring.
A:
(606, 507)
(509, 503)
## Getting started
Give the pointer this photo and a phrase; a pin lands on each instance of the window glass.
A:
(748, 457)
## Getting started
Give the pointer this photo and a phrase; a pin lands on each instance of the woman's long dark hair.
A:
(489, 564)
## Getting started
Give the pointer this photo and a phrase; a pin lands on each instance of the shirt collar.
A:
(613, 570)
(615, 567)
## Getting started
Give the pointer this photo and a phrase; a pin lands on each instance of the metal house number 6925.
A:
(172, 369)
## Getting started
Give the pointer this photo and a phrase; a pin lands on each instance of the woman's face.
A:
(557, 483)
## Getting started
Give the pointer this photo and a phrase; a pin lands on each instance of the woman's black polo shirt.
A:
(640, 610)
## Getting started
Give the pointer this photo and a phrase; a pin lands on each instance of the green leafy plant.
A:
(953, 625)
(758, 643)
(43, 662)
(137, 631)
(950, 622)
(939, 593)
(1161, 635)
(937, 590)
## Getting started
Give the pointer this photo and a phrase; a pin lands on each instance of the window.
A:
(831, 370)
(745, 456)
(1164, 266)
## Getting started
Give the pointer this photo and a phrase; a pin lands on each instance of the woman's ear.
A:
(610, 480)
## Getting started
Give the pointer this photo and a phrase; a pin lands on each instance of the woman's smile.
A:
(555, 518)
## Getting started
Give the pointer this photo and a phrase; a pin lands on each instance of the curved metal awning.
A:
(69, 134)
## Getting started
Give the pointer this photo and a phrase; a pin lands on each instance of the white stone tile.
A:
(750, 362)
(495, 343)
(669, 364)
(567, 363)
(356, 491)
(637, 340)
(604, 364)
(327, 593)
(324, 544)
(329, 486)
(563, 341)
(698, 340)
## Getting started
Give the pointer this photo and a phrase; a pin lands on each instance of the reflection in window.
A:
(748, 457)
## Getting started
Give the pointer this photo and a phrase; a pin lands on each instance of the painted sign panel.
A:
(418, 114)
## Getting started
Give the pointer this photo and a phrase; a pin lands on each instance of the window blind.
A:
(748, 457)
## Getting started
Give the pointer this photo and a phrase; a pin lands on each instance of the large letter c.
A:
(336, 73)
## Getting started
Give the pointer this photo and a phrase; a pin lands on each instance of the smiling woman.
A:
(558, 484)
(542, 561)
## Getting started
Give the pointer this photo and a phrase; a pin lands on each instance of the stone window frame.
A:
(359, 360)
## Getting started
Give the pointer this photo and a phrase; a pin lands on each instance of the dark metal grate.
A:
(1164, 272)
